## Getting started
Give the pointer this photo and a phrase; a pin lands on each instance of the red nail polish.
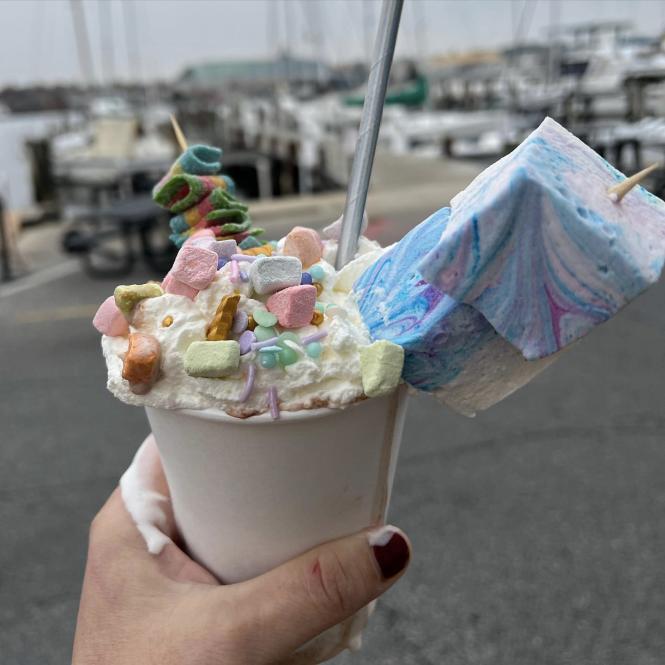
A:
(391, 551)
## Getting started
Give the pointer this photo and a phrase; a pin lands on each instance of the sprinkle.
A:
(167, 321)
(313, 349)
(305, 278)
(268, 360)
(251, 324)
(249, 382)
(245, 341)
(319, 288)
(292, 345)
(317, 272)
(314, 337)
(221, 263)
(239, 322)
(317, 319)
(273, 348)
(265, 342)
(320, 307)
(274, 405)
(244, 276)
(243, 257)
(222, 321)
(235, 272)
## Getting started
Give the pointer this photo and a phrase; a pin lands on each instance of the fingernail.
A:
(391, 550)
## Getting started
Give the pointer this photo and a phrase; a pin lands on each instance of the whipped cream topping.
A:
(331, 380)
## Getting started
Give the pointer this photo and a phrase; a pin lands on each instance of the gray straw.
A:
(370, 122)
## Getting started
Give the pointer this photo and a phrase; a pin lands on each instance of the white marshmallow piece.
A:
(225, 249)
(269, 274)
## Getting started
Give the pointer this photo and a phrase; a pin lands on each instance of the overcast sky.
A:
(140, 39)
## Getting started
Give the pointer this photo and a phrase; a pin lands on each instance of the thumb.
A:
(303, 597)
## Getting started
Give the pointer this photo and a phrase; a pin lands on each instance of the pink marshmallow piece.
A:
(201, 241)
(305, 244)
(201, 233)
(195, 266)
(178, 288)
(293, 306)
(109, 320)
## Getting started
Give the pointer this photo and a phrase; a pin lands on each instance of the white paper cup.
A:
(251, 494)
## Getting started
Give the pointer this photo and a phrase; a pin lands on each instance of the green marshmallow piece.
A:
(287, 356)
(381, 367)
(264, 318)
(128, 296)
(262, 333)
(212, 360)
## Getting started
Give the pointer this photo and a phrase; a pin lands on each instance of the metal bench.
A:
(111, 238)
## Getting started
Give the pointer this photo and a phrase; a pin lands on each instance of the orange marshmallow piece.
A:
(305, 244)
(141, 365)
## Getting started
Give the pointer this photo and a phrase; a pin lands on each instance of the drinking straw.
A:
(368, 134)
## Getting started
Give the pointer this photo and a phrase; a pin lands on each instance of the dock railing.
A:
(5, 264)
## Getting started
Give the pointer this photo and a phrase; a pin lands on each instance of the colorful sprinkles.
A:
(249, 383)
(274, 403)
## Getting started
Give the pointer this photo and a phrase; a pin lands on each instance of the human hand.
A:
(141, 608)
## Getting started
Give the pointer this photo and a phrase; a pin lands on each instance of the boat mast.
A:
(82, 41)
(132, 39)
(105, 17)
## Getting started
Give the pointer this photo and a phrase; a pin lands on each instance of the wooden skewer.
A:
(618, 191)
(179, 136)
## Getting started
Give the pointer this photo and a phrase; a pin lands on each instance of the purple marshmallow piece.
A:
(239, 322)
(245, 341)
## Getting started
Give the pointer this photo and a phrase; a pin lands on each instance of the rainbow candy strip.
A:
(202, 199)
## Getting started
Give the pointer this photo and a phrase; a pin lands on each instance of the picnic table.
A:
(111, 238)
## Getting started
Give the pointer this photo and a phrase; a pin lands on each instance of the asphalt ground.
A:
(538, 527)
